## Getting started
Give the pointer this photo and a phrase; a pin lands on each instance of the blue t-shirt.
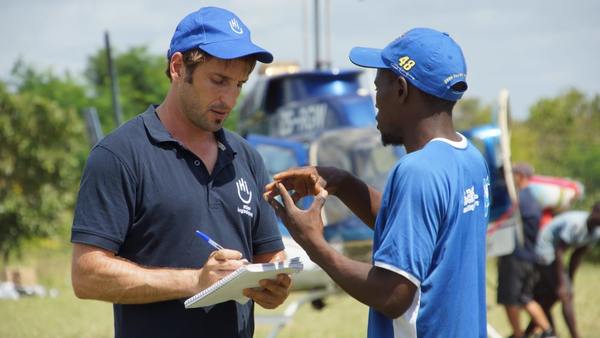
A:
(143, 195)
(431, 229)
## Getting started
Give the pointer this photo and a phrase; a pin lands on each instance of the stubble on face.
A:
(211, 92)
(200, 116)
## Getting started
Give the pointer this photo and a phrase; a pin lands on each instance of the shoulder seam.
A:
(129, 170)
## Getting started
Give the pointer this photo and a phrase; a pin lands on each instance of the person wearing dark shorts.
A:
(516, 271)
(516, 281)
(547, 281)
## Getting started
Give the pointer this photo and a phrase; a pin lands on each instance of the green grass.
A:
(60, 316)
(67, 316)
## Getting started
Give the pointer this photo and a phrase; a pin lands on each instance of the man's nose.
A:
(229, 97)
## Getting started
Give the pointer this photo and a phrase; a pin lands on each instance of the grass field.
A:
(67, 316)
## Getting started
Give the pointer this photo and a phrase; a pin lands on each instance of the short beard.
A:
(386, 140)
(201, 121)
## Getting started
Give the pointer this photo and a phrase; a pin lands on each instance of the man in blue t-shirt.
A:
(427, 276)
(149, 185)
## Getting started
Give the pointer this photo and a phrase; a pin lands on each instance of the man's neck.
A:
(180, 127)
(427, 129)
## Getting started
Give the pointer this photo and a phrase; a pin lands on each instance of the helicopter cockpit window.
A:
(277, 159)
(360, 152)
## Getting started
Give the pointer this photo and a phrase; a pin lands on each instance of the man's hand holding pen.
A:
(222, 262)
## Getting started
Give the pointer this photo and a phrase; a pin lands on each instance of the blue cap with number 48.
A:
(430, 60)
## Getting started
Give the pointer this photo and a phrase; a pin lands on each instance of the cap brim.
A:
(367, 57)
(234, 49)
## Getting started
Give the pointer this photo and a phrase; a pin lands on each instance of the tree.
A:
(469, 113)
(142, 81)
(561, 138)
(40, 165)
(63, 90)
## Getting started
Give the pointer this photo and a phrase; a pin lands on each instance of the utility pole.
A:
(92, 123)
(322, 61)
(114, 83)
(317, 37)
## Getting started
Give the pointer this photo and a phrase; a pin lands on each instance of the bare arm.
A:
(559, 251)
(575, 261)
(384, 290)
(100, 274)
(363, 200)
(564, 290)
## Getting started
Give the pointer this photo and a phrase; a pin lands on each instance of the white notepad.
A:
(231, 286)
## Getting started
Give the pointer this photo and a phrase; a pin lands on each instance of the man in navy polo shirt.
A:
(427, 276)
(170, 171)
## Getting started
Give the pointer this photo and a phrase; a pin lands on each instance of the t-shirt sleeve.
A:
(265, 235)
(568, 232)
(106, 201)
(413, 209)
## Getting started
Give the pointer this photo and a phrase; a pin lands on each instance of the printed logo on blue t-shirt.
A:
(486, 195)
(471, 200)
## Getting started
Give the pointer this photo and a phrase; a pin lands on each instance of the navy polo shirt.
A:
(143, 195)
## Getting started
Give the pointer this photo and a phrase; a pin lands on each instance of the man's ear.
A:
(402, 88)
(176, 67)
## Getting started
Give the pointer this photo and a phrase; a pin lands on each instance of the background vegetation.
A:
(44, 147)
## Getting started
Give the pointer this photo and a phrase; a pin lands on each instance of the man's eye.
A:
(218, 81)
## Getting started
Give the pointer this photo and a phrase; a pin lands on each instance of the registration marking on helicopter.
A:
(302, 119)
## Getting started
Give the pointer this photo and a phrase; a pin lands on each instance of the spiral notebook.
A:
(231, 286)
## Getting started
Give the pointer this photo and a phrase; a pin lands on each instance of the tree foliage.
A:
(39, 163)
(562, 138)
(559, 138)
(141, 77)
(65, 91)
(470, 112)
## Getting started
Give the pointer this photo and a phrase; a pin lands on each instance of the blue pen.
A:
(209, 240)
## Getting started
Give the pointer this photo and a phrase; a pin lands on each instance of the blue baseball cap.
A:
(430, 60)
(219, 33)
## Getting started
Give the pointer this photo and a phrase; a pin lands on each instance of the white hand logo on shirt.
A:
(242, 190)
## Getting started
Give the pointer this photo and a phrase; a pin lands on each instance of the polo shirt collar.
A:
(158, 132)
(223, 144)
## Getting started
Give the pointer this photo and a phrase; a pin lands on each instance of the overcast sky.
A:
(534, 48)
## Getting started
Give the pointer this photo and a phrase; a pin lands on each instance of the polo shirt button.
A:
(197, 163)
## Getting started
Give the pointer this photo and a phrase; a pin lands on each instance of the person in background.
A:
(516, 271)
(576, 230)
(168, 172)
(427, 276)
